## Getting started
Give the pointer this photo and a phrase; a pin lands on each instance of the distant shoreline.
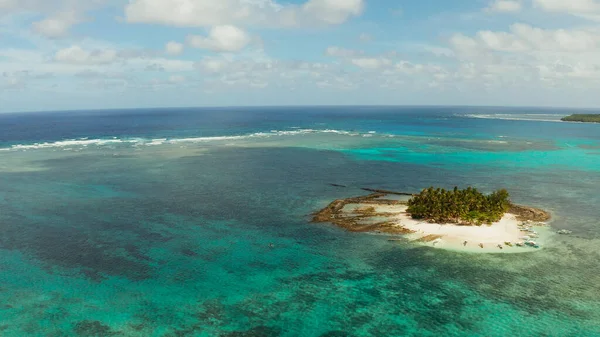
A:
(582, 118)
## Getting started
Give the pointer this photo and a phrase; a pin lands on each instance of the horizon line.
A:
(302, 106)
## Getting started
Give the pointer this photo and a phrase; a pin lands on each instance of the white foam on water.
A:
(159, 141)
(68, 143)
(518, 117)
(86, 142)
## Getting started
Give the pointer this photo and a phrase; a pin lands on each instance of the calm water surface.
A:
(159, 223)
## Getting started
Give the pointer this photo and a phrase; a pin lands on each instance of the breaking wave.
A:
(518, 117)
(85, 142)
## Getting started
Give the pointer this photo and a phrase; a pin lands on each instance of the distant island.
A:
(584, 118)
(465, 220)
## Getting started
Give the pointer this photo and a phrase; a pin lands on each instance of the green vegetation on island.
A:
(468, 206)
(586, 118)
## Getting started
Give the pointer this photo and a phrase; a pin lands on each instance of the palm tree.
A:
(441, 205)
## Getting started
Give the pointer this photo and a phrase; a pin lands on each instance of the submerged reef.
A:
(361, 219)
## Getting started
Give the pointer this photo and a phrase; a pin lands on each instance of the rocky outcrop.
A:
(358, 221)
(338, 185)
(525, 213)
(386, 192)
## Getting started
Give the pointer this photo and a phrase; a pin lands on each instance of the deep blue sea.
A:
(196, 222)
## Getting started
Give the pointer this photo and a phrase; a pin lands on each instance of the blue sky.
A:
(95, 54)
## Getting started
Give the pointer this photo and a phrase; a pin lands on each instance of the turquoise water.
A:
(211, 236)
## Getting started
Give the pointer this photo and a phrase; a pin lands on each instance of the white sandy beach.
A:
(454, 236)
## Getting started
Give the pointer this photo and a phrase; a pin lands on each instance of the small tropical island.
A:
(583, 118)
(464, 220)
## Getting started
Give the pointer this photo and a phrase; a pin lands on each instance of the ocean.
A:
(196, 222)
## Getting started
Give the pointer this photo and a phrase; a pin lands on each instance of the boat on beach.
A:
(532, 243)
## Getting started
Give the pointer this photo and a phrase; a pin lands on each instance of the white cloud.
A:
(20, 79)
(212, 65)
(58, 25)
(174, 48)
(22, 55)
(589, 9)
(568, 6)
(12, 83)
(337, 82)
(572, 41)
(501, 41)
(359, 59)
(58, 16)
(408, 67)
(333, 11)
(527, 54)
(364, 37)
(335, 51)
(525, 38)
(505, 6)
(438, 51)
(371, 62)
(226, 72)
(85, 62)
(12, 6)
(462, 43)
(94, 74)
(225, 38)
(176, 79)
(163, 64)
(520, 55)
(198, 13)
(77, 55)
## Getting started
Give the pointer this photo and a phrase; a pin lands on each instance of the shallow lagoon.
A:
(175, 239)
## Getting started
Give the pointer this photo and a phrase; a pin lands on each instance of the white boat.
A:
(533, 244)
(565, 231)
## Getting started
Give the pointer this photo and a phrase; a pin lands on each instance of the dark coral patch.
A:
(259, 331)
(92, 329)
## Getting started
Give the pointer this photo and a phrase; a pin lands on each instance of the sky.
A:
(105, 54)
